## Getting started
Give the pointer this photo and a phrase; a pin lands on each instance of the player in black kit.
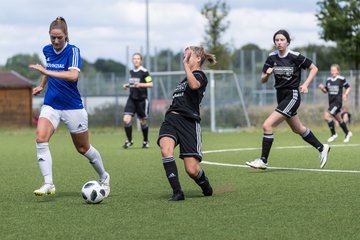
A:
(286, 66)
(334, 87)
(140, 80)
(182, 124)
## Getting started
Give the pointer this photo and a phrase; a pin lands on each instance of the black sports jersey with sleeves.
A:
(334, 87)
(140, 75)
(187, 101)
(287, 69)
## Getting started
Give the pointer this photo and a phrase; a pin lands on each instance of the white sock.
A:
(45, 161)
(96, 162)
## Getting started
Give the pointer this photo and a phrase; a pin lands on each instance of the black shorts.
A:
(334, 108)
(140, 107)
(186, 132)
(288, 101)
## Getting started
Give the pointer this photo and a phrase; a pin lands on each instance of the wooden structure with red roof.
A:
(15, 100)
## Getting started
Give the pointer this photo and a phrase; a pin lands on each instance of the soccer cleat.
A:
(206, 188)
(348, 136)
(127, 144)
(46, 189)
(257, 164)
(179, 196)
(146, 144)
(105, 183)
(333, 137)
(324, 155)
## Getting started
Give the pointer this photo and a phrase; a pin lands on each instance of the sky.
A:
(112, 29)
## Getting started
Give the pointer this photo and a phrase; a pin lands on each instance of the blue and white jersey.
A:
(62, 94)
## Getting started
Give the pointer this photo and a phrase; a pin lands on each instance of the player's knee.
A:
(166, 151)
(127, 119)
(82, 149)
(267, 127)
(41, 138)
(142, 121)
(192, 171)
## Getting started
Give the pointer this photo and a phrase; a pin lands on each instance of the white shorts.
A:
(76, 120)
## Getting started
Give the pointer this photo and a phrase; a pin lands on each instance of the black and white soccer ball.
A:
(93, 192)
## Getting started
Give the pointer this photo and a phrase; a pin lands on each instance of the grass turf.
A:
(247, 203)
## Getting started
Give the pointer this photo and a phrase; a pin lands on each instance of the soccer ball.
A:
(93, 192)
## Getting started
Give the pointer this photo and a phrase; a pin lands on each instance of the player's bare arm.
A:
(143, 85)
(190, 62)
(69, 75)
(312, 72)
(38, 89)
(346, 94)
(322, 88)
(265, 76)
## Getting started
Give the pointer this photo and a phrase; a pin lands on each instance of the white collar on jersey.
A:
(58, 52)
(139, 68)
(283, 56)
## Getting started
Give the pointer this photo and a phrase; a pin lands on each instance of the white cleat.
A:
(324, 155)
(348, 136)
(332, 138)
(105, 183)
(46, 189)
(257, 164)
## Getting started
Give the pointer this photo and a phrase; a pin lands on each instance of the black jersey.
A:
(334, 87)
(140, 75)
(287, 69)
(187, 101)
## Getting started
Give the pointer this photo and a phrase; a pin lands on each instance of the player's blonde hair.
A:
(60, 23)
(335, 65)
(200, 52)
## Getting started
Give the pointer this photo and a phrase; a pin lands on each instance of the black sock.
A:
(344, 127)
(200, 178)
(172, 173)
(266, 146)
(310, 138)
(128, 131)
(145, 131)
(332, 127)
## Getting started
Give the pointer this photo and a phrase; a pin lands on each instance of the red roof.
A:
(14, 80)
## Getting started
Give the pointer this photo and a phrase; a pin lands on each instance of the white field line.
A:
(279, 168)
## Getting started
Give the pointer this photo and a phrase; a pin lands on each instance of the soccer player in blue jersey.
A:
(137, 102)
(182, 124)
(63, 103)
(334, 88)
(286, 67)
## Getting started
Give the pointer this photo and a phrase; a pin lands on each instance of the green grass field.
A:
(247, 203)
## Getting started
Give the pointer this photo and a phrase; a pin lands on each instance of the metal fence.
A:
(104, 97)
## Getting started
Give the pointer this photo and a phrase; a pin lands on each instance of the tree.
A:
(340, 22)
(20, 63)
(109, 65)
(325, 56)
(215, 13)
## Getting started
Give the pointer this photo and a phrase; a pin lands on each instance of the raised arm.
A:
(69, 75)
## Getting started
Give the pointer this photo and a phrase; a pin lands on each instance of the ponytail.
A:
(200, 51)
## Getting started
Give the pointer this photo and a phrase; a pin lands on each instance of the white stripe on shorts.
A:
(292, 102)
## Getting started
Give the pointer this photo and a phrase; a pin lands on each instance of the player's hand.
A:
(38, 67)
(269, 71)
(344, 97)
(304, 89)
(187, 55)
(37, 90)
(126, 86)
